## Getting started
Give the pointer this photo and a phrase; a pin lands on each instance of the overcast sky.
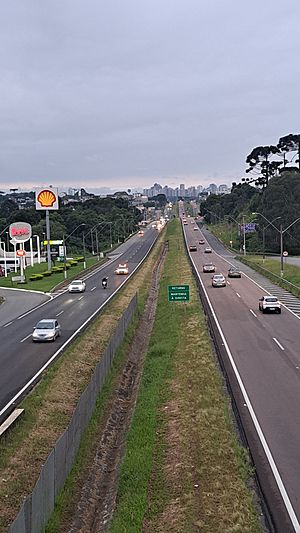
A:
(125, 93)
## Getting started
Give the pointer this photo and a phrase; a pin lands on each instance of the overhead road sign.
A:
(178, 293)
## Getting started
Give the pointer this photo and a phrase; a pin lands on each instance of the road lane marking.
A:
(26, 337)
(93, 288)
(27, 385)
(238, 295)
(80, 298)
(228, 283)
(278, 343)
(280, 484)
(8, 324)
(254, 314)
(60, 313)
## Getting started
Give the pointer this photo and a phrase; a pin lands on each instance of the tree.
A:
(290, 143)
(260, 164)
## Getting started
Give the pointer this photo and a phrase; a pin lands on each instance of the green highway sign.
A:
(178, 293)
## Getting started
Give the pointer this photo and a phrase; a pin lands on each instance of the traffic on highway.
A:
(259, 343)
(69, 311)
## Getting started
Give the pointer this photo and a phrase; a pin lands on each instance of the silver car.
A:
(47, 329)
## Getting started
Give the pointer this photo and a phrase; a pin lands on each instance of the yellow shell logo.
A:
(46, 198)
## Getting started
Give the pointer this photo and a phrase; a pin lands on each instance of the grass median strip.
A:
(49, 407)
(184, 469)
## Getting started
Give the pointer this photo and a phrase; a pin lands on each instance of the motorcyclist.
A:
(104, 282)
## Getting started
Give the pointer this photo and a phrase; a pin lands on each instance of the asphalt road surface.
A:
(21, 359)
(17, 302)
(265, 349)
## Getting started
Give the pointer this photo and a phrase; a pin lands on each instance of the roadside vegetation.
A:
(48, 282)
(49, 407)
(270, 268)
(184, 468)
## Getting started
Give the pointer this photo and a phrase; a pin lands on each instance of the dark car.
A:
(234, 273)
(193, 248)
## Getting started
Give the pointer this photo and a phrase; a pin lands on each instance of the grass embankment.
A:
(227, 233)
(47, 283)
(49, 407)
(184, 469)
(271, 269)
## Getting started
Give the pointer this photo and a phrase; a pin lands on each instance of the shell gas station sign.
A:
(46, 198)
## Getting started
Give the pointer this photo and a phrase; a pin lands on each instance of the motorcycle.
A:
(104, 283)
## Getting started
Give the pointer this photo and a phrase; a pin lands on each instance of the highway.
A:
(21, 359)
(264, 355)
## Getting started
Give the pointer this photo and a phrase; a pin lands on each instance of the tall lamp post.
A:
(83, 245)
(264, 236)
(38, 248)
(65, 238)
(281, 231)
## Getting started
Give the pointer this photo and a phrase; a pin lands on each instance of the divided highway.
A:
(264, 355)
(21, 359)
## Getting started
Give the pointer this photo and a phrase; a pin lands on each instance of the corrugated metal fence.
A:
(38, 506)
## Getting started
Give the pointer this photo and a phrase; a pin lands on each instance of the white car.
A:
(46, 330)
(218, 280)
(122, 269)
(269, 304)
(77, 285)
(208, 250)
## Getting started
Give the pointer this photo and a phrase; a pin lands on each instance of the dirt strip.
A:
(98, 495)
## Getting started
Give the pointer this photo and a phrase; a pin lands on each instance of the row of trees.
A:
(97, 211)
(281, 198)
(264, 162)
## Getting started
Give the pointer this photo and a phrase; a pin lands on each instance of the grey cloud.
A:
(127, 92)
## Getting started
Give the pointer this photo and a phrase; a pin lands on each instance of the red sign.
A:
(21, 253)
(19, 231)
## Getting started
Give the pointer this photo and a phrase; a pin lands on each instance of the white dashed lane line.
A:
(238, 295)
(278, 344)
(251, 311)
(8, 324)
(80, 298)
(60, 313)
(92, 289)
(25, 338)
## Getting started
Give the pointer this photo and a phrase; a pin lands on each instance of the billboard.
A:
(46, 198)
(20, 231)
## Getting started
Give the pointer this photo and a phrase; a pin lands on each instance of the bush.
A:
(35, 277)
(46, 273)
(73, 262)
(56, 269)
(79, 259)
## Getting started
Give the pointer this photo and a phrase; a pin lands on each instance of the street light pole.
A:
(281, 251)
(65, 250)
(65, 259)
(83, 243)
(281, 231)
(244, 236)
